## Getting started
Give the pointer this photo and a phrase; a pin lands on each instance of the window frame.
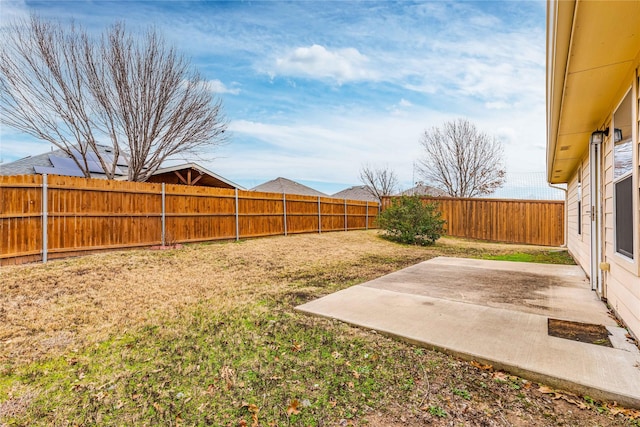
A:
(579, 197)
(631, 257)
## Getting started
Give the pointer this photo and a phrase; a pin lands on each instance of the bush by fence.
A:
(86, 215)
(534, 222)
(408, 219)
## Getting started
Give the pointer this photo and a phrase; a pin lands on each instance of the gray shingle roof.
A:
(53, 161)
(25, 166)
(358, 192)
(287, 186)
(424, 190)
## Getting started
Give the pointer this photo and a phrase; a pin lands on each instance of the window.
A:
(579, 201)
(622, 178)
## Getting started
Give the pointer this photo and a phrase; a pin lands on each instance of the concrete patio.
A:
(496, 312)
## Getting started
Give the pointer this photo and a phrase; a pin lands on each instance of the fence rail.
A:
(85, 215)
(534, 222)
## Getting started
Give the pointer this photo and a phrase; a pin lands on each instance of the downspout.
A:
(566, 213)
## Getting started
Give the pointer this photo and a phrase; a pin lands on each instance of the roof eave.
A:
(560, 21)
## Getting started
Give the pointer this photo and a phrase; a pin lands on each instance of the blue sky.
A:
(314, 90)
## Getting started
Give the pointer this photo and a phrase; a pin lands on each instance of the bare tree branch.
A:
(379, 181)
(461, 160)
(137, 95)
(41, 85)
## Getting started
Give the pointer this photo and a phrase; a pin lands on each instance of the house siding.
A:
(579, 245)
(621, 284)
(623, 296)
(623, 280)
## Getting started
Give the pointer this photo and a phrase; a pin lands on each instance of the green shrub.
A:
(410, 220)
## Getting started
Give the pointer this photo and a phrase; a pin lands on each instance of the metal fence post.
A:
(284, 208)
(237, 217)
(319, 216)
(164, 231)
(346, 228)
(45, 218)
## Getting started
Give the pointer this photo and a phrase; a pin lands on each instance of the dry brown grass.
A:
(208, 315)
(46, 309)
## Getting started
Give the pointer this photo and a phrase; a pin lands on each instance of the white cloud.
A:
(216, 86)
(497, 105)
(462, 59)
(341, 65)
(329, 148)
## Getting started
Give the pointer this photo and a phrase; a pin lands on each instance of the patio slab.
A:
(496, 312)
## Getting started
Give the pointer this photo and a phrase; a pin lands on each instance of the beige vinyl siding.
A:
(572, 209)
(623, 296)
(622, 282)
(579, 245)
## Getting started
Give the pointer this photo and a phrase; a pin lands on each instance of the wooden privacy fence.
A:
(534, 222)
(84, 215)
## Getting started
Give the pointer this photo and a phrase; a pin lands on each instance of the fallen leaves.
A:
(292, 409)
(253, 410)
(157, 407)
(567, 397)
(228, 375)
(500, 376)
(210, 390)
(615, 410)
(546, 390)
(481, 366)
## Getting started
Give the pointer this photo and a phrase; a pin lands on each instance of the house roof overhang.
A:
(592, 47)
(207, 177)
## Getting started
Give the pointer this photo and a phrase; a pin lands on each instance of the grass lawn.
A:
(207, 335)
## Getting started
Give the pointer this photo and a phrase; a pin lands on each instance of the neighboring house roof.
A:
(25, 165)
(424, 190)
(192, 174)
(58, 162)
(358, 192)
(287, 186)
(591, 47)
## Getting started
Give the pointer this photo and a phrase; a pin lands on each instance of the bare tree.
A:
(379, 181)
(42, 90)
(137, 95)
(462, 160)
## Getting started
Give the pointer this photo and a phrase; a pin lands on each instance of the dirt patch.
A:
(576, 331)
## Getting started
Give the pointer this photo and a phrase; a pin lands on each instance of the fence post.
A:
(319, 216)
(164, 231)
(346, 228)
(45, 218)
(284, 208)
(237, 219)
(366, 221)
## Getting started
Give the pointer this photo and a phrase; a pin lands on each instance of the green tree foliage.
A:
(410, 220)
